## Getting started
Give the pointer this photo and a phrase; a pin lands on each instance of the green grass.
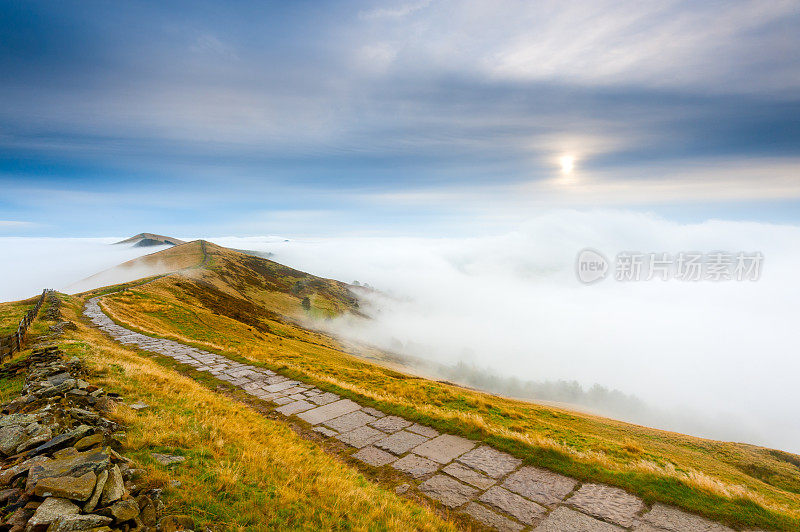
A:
(11, 385)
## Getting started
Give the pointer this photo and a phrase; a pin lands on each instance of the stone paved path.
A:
(493, 487)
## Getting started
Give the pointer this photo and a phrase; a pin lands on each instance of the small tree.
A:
(306, 303)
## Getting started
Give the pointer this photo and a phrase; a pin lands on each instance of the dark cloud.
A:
(382, 98)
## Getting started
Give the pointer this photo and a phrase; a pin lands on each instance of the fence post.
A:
(13, 342)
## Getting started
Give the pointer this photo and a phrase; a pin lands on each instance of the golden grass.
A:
(740, 484)
(12, 312)
(602, 449)
(244, 471)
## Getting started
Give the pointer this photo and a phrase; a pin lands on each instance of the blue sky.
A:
(440, 117)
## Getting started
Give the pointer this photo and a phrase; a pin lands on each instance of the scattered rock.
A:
(10, 437)
(70, 523)
(75, 488)
(7, 475)
(98, 491)
(53, 467)
(114, 488)
(171, 523)
(124, 510)
(147, 510)
(139, 405)
(88, 442)
(401, 489)
(168, 459)
(67, 452)
(51, 509)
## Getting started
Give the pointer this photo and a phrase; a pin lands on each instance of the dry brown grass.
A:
(709, 477)
(244, 471)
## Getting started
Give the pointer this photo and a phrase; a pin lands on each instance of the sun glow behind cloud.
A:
(567, 163)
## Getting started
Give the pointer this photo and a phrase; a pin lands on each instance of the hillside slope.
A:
(252, 308)
(151, 239)
(158, 263)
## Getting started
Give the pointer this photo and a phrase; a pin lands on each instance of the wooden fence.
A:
(13, 342)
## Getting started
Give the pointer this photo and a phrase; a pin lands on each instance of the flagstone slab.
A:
(448, 491)
(329, 411)
(423, 430)
(675, 520)
(325, 431)
(515, 505)
(283, 385)
(293, 408)
(324, 399)
(282, 400)
(492, 519)
(266, 396)
(607, 503)
(468, 475)
(373, 412)
(390, 424)
(564, 519)
(361, 437)
(374, 457)
(540, 485)
(490, 461)
(416, 466)
(350, 421)
(444, 448)
(400, 442)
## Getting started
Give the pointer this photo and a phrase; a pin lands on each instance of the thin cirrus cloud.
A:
(708, 47)
(371, 98)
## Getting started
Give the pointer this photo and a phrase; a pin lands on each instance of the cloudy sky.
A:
(436, 116)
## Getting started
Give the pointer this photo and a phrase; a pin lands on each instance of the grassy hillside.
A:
(244, 471)
(247, 307)
(12, 312)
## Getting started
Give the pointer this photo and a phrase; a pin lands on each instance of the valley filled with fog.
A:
(505, 312)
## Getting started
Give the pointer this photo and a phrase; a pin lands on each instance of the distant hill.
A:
(159, 262)
(151, 239)
(236, 278)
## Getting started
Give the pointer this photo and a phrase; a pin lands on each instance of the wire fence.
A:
(13, 343)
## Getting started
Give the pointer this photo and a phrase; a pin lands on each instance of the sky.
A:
(392, 118)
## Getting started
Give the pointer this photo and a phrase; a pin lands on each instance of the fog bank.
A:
(713, 359)
(506, 313)
(33, 264)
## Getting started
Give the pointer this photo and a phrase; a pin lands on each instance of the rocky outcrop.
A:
(60, 466)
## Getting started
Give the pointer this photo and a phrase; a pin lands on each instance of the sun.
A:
(567, 163)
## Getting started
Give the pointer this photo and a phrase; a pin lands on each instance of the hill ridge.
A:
(151, 239)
